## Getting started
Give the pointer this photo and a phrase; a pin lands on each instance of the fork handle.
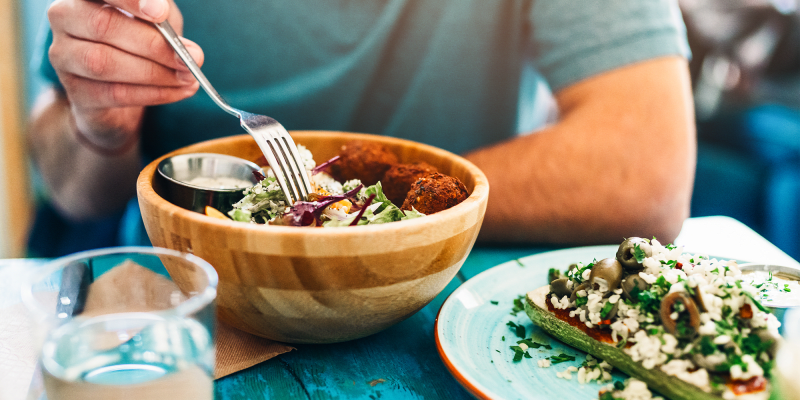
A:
(166, 29)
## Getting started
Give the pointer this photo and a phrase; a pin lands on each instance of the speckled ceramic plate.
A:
(473, 337)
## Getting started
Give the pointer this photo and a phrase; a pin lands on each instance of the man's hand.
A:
(620, 162)
(113, 63)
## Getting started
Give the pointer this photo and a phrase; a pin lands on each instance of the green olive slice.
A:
(626, 253)
(582, 286)
(559, 287)
(671, 325)
(608, 269)
(633, 281)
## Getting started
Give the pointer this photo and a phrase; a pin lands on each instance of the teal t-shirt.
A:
(445, 72)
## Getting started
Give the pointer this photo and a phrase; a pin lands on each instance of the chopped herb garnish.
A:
(519, 262)
(518, 329)
(534, 345)
(639, 253)
(619, 385)
(495, 302)
(581, 301)
(518, 305)
(503, 338)
(756, 302)
(553, 274)
(606, 310)
(519, 353)
(561, 358)
(707, 346)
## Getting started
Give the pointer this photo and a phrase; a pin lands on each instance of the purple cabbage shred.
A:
(324, 165)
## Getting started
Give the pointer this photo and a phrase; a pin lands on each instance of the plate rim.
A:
(473, 388)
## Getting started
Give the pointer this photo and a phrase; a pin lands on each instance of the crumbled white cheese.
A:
(722, 339)
(544, 363)
(634, 390)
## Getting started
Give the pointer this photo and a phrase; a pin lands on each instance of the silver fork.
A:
(276, 144)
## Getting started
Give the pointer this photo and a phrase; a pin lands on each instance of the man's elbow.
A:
(655, 213)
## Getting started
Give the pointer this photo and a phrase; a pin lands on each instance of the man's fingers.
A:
(105, 24)
(148, 10)
(100, 62)
(87, 93)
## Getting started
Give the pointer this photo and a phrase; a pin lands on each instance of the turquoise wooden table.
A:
(402, 361)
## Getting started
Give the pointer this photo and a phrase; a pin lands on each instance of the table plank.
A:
(400, 362)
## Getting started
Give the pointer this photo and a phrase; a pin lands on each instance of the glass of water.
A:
(124, 323)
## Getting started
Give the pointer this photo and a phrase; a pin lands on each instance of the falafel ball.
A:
(363, 160)
(398, 179)
(435, 192)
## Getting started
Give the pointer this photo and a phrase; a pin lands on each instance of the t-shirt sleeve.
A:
(573, 40)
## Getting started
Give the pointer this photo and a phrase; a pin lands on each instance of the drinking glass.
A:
(124, 323)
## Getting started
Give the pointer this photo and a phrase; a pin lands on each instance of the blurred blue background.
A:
(746, 59)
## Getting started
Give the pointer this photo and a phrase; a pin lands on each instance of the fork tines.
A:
(284, 159)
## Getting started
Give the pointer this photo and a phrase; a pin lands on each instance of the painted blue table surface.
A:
(400, 362)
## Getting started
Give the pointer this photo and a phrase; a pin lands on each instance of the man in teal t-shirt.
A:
(618, 161)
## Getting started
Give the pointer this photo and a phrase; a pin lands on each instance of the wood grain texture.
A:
(16, 190)
(307, 285)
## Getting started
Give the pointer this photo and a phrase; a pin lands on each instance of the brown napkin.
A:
(237, 350)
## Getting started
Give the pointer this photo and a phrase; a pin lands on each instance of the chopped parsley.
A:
(518, 305)
(518, 329)
(534, 345)
(495, 302)
(606, 310)
(707, 346)
(561, 358)
(519, 353)
(639, 253)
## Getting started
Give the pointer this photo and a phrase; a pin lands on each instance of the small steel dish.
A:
(176, 172)
(782, 272)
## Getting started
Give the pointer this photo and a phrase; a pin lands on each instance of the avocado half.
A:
(668, 385)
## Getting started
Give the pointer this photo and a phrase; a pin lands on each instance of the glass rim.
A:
(191, 305)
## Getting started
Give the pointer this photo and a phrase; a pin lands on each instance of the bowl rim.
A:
(472, 204)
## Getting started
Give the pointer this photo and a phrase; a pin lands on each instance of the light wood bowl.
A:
(322, 285)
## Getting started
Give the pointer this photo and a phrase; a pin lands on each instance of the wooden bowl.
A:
(322, 285)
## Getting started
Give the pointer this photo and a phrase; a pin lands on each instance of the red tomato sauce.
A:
(754, 384)
(601, 335)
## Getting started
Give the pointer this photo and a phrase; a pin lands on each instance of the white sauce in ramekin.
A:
(220, 182)
(779, 289)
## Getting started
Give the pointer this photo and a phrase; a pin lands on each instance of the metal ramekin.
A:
(175, 173)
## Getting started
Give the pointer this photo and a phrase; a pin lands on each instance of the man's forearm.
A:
(620, 162)
(83, 182)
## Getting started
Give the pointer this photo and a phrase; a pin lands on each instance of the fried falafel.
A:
(435, 192)
(363, 160)
(398, 179)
